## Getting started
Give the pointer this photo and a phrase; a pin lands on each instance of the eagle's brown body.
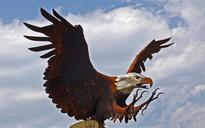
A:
(72, 82)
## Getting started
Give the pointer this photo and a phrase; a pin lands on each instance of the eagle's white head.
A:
(127, 82)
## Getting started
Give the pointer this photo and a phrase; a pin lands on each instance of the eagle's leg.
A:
(128, 111)
(131, 113)
(134, 110)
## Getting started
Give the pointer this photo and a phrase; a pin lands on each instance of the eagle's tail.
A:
(88, 124)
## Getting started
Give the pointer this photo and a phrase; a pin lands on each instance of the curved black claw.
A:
(137, 92)
(152, 98)
(136, 98)
(154, 92)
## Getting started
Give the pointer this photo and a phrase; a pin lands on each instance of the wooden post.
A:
(87, 124)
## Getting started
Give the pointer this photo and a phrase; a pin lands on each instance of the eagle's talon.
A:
(142, 93)
(135, 98)
(159, 94)
(137, 92)
(154, 92)
(152, 98)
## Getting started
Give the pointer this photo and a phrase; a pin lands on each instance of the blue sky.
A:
(25, 9)
(115, 31)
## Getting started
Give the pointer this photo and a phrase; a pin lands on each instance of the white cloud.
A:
(188, 116)
(187, 9)
(114, 37)
(127, 28)
(199, 88)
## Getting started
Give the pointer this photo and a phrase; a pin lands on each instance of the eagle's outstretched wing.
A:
(71, 80)
(147, 52)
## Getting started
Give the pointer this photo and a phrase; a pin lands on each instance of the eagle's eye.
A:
(137, 77)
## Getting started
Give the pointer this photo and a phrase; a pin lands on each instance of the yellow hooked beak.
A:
(146, 81)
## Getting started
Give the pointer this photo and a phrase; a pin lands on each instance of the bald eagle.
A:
(76, 87)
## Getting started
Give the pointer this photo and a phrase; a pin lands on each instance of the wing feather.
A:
(49, 54)
(64, 21)
(35, 38)
(71, 80)
(49, 16)
(47, 30)
(152, 48)
(41, 48)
